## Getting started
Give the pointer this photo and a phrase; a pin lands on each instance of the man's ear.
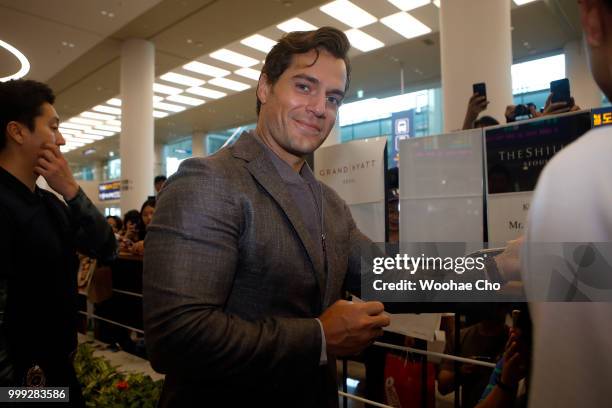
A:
(592, 21)
(15, 131)
(264, 88)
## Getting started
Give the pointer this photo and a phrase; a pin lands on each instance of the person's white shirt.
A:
(572, 349)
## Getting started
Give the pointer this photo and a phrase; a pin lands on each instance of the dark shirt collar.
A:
(13, 184)
(285, 171)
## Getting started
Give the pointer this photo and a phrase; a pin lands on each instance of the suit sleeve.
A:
(191, 257)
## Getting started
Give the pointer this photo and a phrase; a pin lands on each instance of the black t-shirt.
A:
(39, 237)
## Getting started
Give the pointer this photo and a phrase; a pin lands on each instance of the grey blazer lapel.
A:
(266, 175)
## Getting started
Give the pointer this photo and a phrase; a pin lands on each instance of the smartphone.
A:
(560, 91)
(480, 89)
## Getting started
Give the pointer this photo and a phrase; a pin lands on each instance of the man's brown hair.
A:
(329, 39)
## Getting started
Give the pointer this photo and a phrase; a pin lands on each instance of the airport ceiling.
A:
(75, 47)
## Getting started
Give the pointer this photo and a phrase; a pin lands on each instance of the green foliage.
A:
(103, 386)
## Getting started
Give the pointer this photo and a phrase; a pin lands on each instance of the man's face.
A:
(300, 109)
(45, 131)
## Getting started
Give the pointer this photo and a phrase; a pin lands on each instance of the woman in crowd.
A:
(146, 215)
(115, 223)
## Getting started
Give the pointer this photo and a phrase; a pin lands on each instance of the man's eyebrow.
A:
(315, 81)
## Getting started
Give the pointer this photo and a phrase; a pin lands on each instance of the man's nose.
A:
(317, 105)
(59, 140)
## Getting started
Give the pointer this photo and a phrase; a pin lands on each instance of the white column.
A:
(137, 131)
(475, 46)
(585, 91)
(198, 144)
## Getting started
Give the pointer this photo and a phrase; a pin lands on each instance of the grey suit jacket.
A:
(232, 284)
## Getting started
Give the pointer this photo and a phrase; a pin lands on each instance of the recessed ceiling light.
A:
(111, 154)
(249, 73)
(522, 2)
(96, 115)
(25, 64)
(229, 84)
(83, 121)
(296, 24)
(68, 125)
(187, 100)
(405, 25)
(234, 58)
(259, 42)
(106, 109)
(348, 13)
(165, 89)
(109, 128)
(406, 5)
(182, 79)
(205, 69)
(362, 41)
(100, 132)
(168, 107)
(208, 93)
(114, 102)
(158, 114)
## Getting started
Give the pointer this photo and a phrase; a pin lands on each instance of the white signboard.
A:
(441, 195)
(507, 215)
(356, 171)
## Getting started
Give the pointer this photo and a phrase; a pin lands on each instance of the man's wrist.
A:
(506, 387)
(72, 192)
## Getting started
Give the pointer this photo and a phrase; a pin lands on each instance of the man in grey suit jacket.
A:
(248, 255)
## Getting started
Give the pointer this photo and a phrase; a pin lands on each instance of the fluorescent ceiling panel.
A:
(205, 69)
(109, 128)
(522, 2)
(84, 121)
(362, 41)
(113, 122)
(234, 58)
(348, 13)
(114, 102)
(67, 131)
(229, 84)
(165, 89)
(436, 3)
(96, 115)
(107, 109)
(89, 136)
(158, 114)
(208, 93)
(68, 125)
(259, 42)
(168, 107)
(295, 24)
(78, 140)
(182, 79)
(74, 144)
(249, 73)
(187, 100)
(406, 5)
(405, 25)
(100, 132)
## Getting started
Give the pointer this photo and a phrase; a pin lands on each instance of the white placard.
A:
(441, 180)
(507, 215)
(355, 170)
